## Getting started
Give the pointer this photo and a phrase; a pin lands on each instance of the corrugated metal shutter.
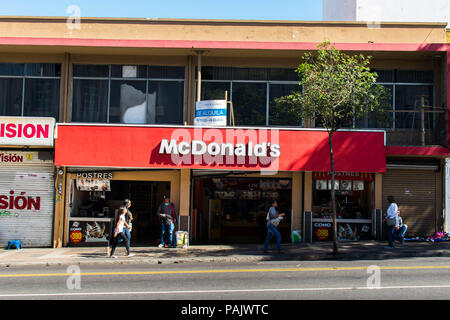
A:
(33, 225)
(418, 195)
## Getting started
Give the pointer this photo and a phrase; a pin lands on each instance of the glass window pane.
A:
(165, 102)
(283, 75)
(89, 100)
(384, 75)
(42, 98)
(11, 69)
(43, 69)
(414, 76)
(249, 103)
(128, 71)
(382, 117)
(90, 70)
(249, 74)
(215, 90)
(11, 97)
(128, 102)
(215, 73)
(411, 98)
(164, 72)
(280, 115)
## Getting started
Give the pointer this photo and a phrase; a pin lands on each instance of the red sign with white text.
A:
(213, 148)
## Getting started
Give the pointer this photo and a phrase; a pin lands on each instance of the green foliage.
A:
(336, 88)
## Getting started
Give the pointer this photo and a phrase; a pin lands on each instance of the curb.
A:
(324, 256)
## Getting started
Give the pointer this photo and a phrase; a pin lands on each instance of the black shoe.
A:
(280, 252)
(266, 252)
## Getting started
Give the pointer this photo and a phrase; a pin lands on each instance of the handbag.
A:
(391, 222)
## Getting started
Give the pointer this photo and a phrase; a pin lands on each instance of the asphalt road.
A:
(407, 279)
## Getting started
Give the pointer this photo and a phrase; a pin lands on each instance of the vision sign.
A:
(24, 131)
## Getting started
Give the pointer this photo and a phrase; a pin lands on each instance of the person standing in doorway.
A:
(273, 219)
(391, 221)
(167, 217)
(128, 220)
(119, 234)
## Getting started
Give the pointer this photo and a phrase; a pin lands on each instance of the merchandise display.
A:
(437, 237)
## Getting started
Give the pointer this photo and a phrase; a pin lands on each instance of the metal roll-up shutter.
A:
(27, 214)
(418, 195)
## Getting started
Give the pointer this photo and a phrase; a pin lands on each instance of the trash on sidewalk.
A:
(296, 236)
(182, 239)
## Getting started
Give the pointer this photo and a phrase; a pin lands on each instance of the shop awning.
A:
(272, 149)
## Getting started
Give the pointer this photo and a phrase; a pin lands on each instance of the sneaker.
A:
(160, 245)
(266, 252)
(166, 246)
(389, 247)
(114, 257)
(130, 254)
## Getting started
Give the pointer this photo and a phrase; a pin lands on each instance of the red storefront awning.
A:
(119, 146)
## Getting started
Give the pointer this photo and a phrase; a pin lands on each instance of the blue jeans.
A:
(272, 231)
(399, 234)
(127, 233)
(167, 228)
(390, 235)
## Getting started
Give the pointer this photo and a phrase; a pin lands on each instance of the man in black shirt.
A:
(168, 218)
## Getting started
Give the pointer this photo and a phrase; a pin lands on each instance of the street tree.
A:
(334, 89)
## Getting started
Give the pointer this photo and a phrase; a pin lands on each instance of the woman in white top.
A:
(119, 233)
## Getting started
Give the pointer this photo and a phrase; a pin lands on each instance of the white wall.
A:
(387, 10)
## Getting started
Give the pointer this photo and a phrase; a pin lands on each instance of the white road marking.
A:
(217, 291)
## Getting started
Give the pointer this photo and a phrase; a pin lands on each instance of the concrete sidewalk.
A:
(364, 250)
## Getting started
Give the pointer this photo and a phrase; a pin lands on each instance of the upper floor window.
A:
(411, 95)
(253, 92)
(128, 94)
(30, 89)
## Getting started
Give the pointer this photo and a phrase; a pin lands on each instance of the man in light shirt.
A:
(392, 213)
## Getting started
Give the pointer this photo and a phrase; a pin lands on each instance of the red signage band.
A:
(211, 148)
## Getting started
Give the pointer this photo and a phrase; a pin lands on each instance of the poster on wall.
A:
(93, 185)
(82, 232)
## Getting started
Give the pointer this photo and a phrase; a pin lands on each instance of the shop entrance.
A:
(145, 196)
(233, 209)
(93, 210)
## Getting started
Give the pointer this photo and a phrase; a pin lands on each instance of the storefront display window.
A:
(235, 209)
(93, 202)
(354, 203)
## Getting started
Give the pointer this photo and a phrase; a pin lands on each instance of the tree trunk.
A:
(333, 195)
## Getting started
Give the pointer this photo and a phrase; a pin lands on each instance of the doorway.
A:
(145, 196)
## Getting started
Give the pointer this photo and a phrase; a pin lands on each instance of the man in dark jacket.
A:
(168, 218)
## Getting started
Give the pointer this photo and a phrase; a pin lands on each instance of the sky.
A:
(189, 9)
